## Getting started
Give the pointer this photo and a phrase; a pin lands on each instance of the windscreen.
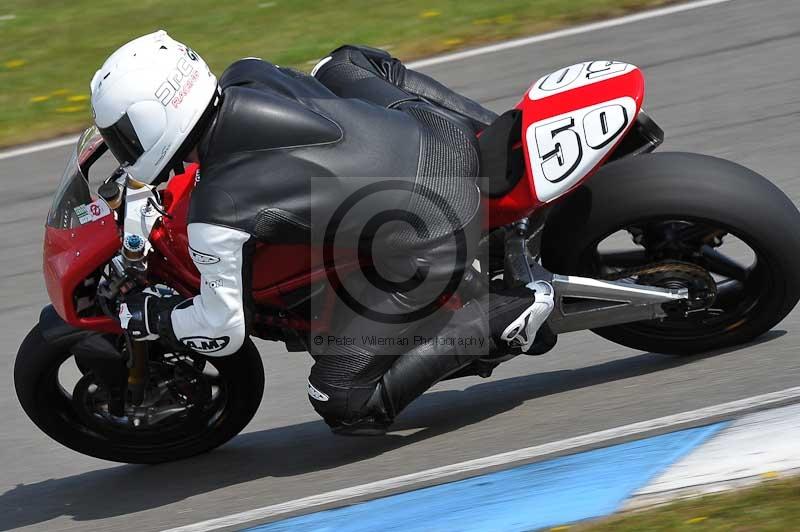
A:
(73, 190)
(72, 203)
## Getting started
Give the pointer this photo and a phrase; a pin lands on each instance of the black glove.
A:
(146, 315)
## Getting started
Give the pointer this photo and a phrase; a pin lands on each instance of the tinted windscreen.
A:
(73, 190)
(88, 167)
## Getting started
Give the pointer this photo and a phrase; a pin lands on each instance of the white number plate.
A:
(564, 149)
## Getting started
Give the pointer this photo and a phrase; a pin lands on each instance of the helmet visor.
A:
(122, 141)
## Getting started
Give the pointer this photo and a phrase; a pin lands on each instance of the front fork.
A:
(137, 370)
(125, 377)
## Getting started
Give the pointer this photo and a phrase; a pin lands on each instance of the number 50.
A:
(560, 148)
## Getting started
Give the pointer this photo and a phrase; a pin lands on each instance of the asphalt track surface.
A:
(722, 80)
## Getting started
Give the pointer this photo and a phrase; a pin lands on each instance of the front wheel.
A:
(681, 220)
(191, 404)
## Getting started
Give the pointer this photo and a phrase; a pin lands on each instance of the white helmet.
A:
(147, 100)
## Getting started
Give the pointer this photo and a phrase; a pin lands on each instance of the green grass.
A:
(50, 49)
(771, 506)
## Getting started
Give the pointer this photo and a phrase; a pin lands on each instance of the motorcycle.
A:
(674, 289)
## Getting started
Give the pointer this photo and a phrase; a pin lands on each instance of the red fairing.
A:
(519, 203)
(70, 257)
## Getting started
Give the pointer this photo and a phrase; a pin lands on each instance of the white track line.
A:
(33, 148)
(464, 55)
(602, 25)
(373, 488)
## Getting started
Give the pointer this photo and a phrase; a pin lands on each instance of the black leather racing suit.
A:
(283, 154)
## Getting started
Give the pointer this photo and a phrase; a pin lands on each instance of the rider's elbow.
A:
(219, 342)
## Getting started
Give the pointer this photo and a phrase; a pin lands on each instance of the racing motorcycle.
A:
(710, 259)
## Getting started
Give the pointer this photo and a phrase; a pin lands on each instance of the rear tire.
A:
(683, 186)
(49, 406)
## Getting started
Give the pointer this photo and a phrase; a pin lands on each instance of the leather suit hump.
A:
(284, 152)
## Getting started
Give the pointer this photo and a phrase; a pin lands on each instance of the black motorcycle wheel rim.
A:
(740, 286)
(194, 426)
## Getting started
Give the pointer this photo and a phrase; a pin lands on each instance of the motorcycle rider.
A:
(279, 151)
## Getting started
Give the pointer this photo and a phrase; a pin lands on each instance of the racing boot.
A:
(522, 332)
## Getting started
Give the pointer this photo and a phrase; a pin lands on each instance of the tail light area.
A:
(644, 137)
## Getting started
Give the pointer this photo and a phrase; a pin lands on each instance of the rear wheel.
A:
(191, 403)
(689, 221)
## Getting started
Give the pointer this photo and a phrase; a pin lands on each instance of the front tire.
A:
(694, 190)
(55, 411)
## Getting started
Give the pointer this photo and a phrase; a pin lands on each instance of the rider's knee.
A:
(337, 404)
